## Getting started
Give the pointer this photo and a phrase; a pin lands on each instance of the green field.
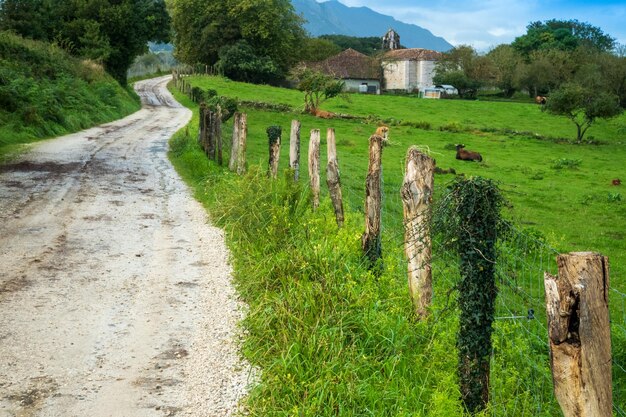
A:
(330, 338)
(561, 189)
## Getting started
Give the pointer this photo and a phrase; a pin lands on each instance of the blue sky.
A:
(487, 23)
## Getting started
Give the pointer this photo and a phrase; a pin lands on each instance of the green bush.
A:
(44, 92)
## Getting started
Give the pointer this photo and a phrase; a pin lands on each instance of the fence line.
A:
(520, 310)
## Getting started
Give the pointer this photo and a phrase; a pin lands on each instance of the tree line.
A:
(112, 32)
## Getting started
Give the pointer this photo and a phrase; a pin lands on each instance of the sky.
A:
(487, 23)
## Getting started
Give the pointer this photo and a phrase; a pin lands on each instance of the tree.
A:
(582, 106)
(505, 63)
(463, 68)
(240, 62)
(203, 27)
(114, 32)
(546, 70)
(370, 45)
(318, 49)
(565, 35)
(317, 87)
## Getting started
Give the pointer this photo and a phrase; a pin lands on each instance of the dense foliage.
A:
(45, 92)
(366, 45)
(107, 31)
(270, 30)
(564, 35)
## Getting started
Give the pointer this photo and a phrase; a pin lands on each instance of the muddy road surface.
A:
(115, 293)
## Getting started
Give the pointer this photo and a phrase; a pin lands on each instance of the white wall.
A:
(426, 73)
(408, 75)
(396, 75)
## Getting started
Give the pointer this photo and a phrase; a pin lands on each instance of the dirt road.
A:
(115, 295)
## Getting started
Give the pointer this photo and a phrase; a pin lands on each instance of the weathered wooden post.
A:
(417, 191)
(314, 166)
(332, 176)
(201, 122)
(273, 137)
(579, 332)
(232, 164)
(208, 127)
(241, 119)
(370, 240)
(218, 135)
(294, 149)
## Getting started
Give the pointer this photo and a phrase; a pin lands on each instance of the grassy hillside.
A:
(333, 339)
(44, 92)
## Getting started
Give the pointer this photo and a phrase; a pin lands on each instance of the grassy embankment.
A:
(331, 338)
(44, 92)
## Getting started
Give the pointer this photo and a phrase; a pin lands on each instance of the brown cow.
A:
(616, 181)
(541, 100)
(323, 114)
(464, 155)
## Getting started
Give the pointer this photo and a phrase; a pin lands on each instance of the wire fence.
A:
(520, 328)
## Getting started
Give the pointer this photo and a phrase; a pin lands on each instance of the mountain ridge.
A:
(335, 18)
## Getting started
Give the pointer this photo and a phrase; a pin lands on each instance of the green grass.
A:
(333, 339)
(44, 93)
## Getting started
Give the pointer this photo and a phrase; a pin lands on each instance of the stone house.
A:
(409, 70)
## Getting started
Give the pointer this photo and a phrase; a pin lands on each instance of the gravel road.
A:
(115, 292)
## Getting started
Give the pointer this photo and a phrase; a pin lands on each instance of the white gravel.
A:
(115, 292)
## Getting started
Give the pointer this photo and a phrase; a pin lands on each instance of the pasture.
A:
(560, 189)
(332, 339)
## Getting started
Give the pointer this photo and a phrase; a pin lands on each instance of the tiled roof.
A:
(349, 64)
(412, 54)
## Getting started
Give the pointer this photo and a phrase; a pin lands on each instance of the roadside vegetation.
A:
(330, 337)
(45, 92)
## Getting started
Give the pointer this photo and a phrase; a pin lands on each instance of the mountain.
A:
(334, 18)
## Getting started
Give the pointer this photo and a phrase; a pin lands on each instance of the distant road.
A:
(115, 294)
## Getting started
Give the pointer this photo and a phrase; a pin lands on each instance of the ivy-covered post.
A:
(371, 241)
(417, 191)
(314, 166)
(477, 203)
(294, 149)
(273, 135)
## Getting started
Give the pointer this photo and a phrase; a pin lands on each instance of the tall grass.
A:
(44, 92)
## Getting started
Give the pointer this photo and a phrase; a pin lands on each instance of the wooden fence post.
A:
(242, 135)
(201, 122)
(417, 191)
(370, 240)
(294, 149)
(332, 176)
(218, 135)
(208, 127)
(314, 166)
(212, 137)
(580, 336)
(273, 137)
(232, 164)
